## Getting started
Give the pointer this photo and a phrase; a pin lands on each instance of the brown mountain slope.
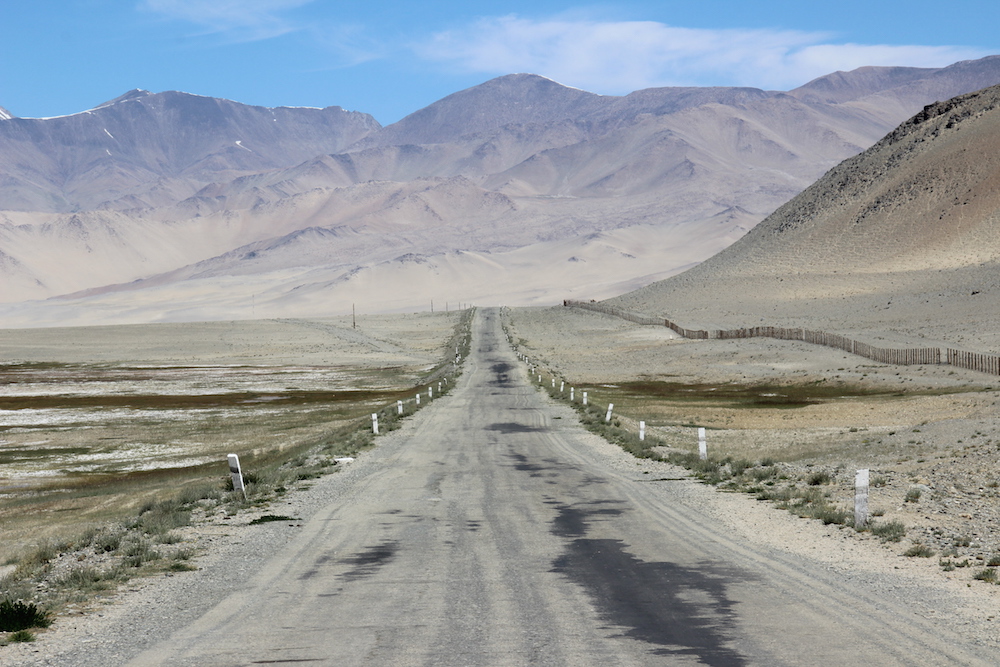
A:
(902, 240)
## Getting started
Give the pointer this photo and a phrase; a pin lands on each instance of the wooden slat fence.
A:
(899, 356)
(984, 363)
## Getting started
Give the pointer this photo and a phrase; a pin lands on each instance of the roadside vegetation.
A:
(803, 495)
(75, 569)
(810, 471)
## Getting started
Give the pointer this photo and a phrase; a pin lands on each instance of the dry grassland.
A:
(96, 422)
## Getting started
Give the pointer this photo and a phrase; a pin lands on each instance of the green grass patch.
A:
(21, 636)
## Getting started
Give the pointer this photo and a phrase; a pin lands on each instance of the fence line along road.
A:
(974, 361)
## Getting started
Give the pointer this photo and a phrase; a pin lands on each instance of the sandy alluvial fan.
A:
(901, 241)
(168, 206)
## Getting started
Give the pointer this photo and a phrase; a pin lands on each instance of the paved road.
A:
(494, 536)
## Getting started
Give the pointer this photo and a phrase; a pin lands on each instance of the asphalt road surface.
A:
(494, 536)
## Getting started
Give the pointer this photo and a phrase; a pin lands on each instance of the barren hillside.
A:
(902, 239)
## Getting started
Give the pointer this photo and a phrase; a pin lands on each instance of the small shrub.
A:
(780, 495)
(987, 574)
(818, 479)
(42, 554)
(765, 472)
(994, 561)
(888, 531)
(81, 578)
(912, 495)
(138, 552)
(21, 636)
(159, 518)
(194, 493)
(831, 515)
(18, 615)
(108, 541)
(739, 466)
(918, 551)
(170, 538)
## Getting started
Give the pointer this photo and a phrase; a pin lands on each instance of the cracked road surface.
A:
(491, 535)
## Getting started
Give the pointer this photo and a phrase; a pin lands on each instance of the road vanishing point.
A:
(491, 530)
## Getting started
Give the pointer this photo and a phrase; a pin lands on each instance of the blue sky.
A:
(392, 58)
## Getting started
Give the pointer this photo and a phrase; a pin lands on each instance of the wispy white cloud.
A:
(247, 20)
(618, 57)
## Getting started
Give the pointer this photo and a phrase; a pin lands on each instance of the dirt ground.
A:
(930, 435)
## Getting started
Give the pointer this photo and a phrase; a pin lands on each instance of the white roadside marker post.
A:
(399, 407)
(702, 445)
(584, 398)
(430, 393)
(642, 430)
(237, 474)
(861, 499)
(607, 417)
(553, 383)
(418, 399)
(539, 378)
(439, 387)
(571, 391)
(375, 423)
(562, 387)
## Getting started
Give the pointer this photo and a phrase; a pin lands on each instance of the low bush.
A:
(888, 531)
(17, 615)
(818, 479)
(987, 574)
(919, 551)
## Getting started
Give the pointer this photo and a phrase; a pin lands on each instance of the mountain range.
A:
(169, 206)
(900, 243)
